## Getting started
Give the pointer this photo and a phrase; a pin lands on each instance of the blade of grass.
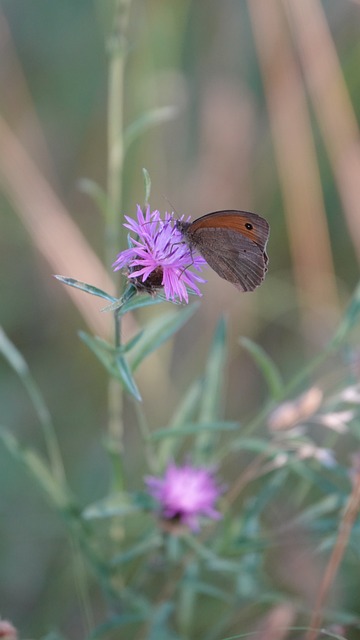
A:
(56, 491)
(147, 121)
(184, 413)
(194, 429)
(267, 367)
(213, 385)
(18, 363)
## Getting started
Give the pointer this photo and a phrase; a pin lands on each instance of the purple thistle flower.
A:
(185, 494)
(160, 257)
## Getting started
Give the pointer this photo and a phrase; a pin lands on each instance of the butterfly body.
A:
(233, 243)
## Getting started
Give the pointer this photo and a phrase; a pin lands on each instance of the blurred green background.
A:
(266, 94)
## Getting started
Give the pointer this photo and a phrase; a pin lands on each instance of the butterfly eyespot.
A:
(248, 226)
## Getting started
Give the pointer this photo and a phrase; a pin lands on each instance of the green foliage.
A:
(227, 566)
(158, 331)
(285, 491)
(349, 321)
(58, 495)
(97, 194)
(88, 288)
(267, 367)
(147, 121)
(147, 182)
(150, 338)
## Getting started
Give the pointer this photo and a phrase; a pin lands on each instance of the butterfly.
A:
(233, 243)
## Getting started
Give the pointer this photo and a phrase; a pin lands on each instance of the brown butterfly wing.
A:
(243, 264)
(248, 224)
(235, 251)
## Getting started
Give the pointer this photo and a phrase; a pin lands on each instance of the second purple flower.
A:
(185, 494)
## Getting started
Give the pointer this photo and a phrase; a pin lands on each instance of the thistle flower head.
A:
(186, 493)
(159, 257)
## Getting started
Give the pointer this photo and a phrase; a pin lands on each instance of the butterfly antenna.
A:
(172, 207)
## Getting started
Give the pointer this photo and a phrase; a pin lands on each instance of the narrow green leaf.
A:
(113, 360)
(329, 504)
(17, 362)
(214, 376)
(131, 343)
(208, 555)
(148, 544)
(103, 350)
(265, 494)
(95, 192)
(126, 377)
(133, 301)
(31, 461)
(88, 288)
(187, 603)
(193, 429)
(188, 406)
(212, 396)
(266, 366)
(147, 181)
(158, 331)
(53, 635)
(183, 414)
(159, 629)
(147, 121)
(117, 504)
(204, 552)
(256, 445)
(210, 590)
(139, 302)
(115, 622)
(12, 355)
(129, 293)
(349, 321)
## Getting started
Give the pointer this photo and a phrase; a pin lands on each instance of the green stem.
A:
(116, 427)
(152, 460)
(117, 47)
(81, 584)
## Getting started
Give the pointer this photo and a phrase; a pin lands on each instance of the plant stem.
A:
(348, 520)
(117, 48)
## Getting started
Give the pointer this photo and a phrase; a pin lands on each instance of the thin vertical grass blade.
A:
(211, 404)
(18, 363)
(212, 396)
(267, 367)
(37, 468)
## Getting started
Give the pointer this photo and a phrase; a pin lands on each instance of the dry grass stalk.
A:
(276, 624)
(53, 232)
(296, 157)
(336, 116)
(350, 514)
